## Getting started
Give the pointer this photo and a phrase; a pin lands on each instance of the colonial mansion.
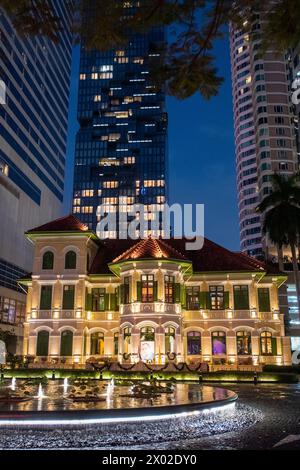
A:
(148, 300)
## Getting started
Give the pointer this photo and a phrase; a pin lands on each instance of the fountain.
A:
(13, 383)
(93, 401)
(66, 385)
(40, 394)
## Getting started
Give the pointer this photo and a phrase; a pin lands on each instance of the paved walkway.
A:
(279, 428)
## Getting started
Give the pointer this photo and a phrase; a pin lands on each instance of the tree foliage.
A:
(188, 62)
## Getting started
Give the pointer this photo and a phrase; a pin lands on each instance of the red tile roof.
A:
(150, 248)
(68, 223)
(211, 258)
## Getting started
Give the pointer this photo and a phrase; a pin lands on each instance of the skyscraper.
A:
(265, 124)
(121, 146)
(264, 131)
(35, 74)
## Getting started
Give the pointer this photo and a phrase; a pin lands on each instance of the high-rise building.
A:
(264, 131)
(265, 124)
(35, 82)
(121, 146)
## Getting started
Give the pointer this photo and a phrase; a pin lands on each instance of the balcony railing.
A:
(190, 315)
(78, 314)
(149, 308)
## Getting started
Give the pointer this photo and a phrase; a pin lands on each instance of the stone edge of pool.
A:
(74, 415)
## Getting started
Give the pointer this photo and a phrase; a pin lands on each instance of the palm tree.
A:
(281, 210)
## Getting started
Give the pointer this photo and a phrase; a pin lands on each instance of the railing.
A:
(190, 315)
(78, 314)
(150, 308)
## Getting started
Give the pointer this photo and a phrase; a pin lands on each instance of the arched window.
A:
(70, 260)
(243, 343)
(193, 343)
(42, 344)
(127, 339)
(147, 335)
(116, 344)
(169, 339)
(48, 260)
(218, 339)
(97, 344)
(267, 344)
(66, 343)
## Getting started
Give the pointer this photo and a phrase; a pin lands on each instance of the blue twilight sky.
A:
(201, 154)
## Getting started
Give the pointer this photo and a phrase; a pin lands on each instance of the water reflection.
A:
(54, 396)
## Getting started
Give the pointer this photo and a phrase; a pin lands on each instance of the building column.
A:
(286, 351)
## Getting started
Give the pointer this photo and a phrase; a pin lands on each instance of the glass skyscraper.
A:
(35, 75)
(121, 147)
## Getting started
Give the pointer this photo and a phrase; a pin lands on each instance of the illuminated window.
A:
(106, 68)
(267, 344)
(122, 60)
(127, 339)
(120, 53)
(114, 137)
(138, 60)
(128, 99)
(76, 202)
(87, 193)
(87, 209)
(194, 343)
(110, 184)
(82, 76)
(105, 76)
(109, 162)
(216, 297)
(121, 114)
(97, 344)
(94, 76)
(218, 343)
(129, 160)
(169, 288)
(243, 343)
(248, 80)
(169, 340)
(110, 200)
(97, 98)
(147, 288)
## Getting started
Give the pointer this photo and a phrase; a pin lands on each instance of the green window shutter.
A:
(122, 293)
(46, 298)
(117, 294)
(226, 299)
(66, 343)
(155, 291)
(106, 301)
(241, 298)
(274, 346)
(68, 297)
(112, 301)
(264, 300)
(208, 301)
(203, 300)
(139, 291)
(177, 293)
(182, 296)
(88, 300)
(42, 345)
